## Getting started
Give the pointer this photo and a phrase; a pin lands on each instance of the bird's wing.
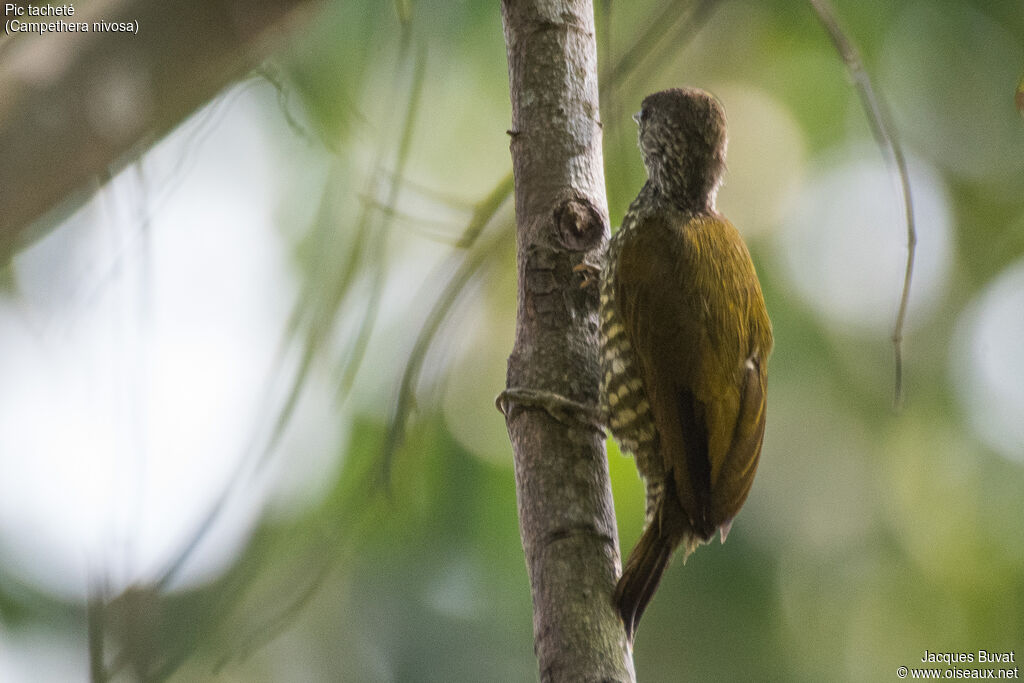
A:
(685, 294)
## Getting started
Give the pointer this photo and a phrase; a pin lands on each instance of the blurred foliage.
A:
(869, 537)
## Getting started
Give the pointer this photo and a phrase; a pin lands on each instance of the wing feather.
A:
(702, 355)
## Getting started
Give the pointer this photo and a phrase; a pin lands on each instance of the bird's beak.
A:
(636, 117)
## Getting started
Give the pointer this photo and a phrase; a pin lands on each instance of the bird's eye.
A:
(640, 116)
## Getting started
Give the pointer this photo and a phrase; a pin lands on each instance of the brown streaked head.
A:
(683, 140)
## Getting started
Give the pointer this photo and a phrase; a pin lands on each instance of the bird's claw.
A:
(591, 273)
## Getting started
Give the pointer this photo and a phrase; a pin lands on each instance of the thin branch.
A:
(447, 199)
(463, 266)
(470, 266)
(485, 210)
(270, 627)
(881, 126)
(94, 609)
(434, 229)
(689, 23)
(358, 348)
(1018, 96)
(256, 457)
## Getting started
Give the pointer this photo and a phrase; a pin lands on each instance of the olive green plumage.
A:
(685, 341)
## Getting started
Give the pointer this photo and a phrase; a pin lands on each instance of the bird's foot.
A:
(591, 273)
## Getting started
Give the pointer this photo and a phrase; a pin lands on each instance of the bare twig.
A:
(470, 265)
(94, 609)
(687, 23)
(881, 126)
(1018, 97)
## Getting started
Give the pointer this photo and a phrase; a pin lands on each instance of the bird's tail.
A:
(640, 577)
(648, 562)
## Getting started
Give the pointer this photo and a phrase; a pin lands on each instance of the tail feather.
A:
(641, 576)
(667, 528)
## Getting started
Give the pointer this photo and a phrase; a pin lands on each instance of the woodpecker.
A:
(685, 340)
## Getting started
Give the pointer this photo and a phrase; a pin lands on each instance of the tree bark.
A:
(74, 105)
(566, 514)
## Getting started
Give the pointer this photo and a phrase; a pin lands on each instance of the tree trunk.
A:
(566, 514)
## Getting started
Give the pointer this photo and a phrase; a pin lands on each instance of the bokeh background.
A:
(208, 368)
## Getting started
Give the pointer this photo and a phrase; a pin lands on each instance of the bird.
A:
(684, 343)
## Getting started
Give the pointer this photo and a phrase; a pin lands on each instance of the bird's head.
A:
(683, 141)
